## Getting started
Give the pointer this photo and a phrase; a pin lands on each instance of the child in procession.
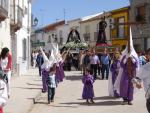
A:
(88, 91)
(52, 84)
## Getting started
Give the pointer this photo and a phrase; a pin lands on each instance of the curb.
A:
(34, 102)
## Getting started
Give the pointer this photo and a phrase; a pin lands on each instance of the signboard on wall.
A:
(38, 44)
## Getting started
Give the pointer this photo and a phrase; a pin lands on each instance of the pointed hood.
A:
(46, 65)
(52, 57)
(132, 51)
(57, 54)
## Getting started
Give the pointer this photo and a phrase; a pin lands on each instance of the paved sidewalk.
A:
(23, 90)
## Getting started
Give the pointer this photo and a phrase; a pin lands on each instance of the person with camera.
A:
(6, 66)
(144, 75)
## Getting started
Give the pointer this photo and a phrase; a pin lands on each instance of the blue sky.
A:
(49, 11)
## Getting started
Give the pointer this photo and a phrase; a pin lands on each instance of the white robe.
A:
(144, 75)
(3, 93)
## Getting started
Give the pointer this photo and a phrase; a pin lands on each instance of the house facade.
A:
(5, 39)
(15, 29)
(140, 14)
(45, 36)
(119, 32)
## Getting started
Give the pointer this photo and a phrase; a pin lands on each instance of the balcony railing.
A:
(3, 9)
(19, 15)
(16, 17)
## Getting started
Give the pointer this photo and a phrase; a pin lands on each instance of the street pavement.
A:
(23, 89)
(68, 99)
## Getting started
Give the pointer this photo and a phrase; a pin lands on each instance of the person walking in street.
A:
(144, 75)
(105, 61)
(86, 60)
(114, 70)
(34, 56)
(88, 91)
(142, 59)
(129, 66)
(45, 67)
(51, 83)
(94, 61)
(40, 61)
(99, 65)
(6, 66)
(69, 62)
(61, 58)
(3, 92)
(82, 55)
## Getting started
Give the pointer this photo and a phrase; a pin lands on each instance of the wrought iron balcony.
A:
(3, 9)
(16, 17)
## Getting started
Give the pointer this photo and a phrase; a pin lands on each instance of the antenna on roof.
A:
(64, 12)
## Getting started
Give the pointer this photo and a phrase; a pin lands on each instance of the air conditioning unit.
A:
(112, 21)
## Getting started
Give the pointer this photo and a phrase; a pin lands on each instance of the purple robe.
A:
(88, 91)
(126, 85)
(60, 72)
(44, 80)
(115, 70)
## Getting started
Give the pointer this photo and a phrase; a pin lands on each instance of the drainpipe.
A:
(14, 11)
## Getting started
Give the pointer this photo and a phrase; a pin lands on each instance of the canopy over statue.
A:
(74, 36)
(74, 41)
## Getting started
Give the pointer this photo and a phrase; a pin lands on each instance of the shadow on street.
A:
(104, 103)
(73, 78)
(28, 88)
(104, 98)
(34, 84)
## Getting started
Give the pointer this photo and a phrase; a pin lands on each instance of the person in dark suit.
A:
(40, 61)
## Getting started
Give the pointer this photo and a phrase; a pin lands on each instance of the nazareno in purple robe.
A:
(88, 91)
(44, 80)
(126, 85)
(60, 72)
(115, 70)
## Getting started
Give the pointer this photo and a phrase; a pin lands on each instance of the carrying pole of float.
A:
(129, 41)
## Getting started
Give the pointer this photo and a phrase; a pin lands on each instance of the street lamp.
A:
(35, 22)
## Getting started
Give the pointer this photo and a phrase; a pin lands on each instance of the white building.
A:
(46, 36)
(62, 34)
(5, 39)
(20, 23)
(140, 12)
(74, 24)
(89, 26)
(15, 27)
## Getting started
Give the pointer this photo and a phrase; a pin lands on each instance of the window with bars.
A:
(49, 39)
(87, 29)
(95, 36)
(24, 48)
(61, 40)
(60, 33)
(121, 28)
(140, 13)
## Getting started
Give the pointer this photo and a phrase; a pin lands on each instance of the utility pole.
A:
(64, 12)
(42, 17)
